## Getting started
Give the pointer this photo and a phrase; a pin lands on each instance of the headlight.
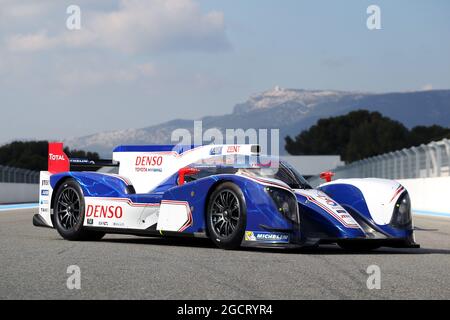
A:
(402, 212)
(285, 203)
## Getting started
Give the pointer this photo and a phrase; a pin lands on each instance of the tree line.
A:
(33, 155)
(361, 134)
(357, 135)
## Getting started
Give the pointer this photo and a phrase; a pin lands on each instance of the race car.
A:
(230, 194)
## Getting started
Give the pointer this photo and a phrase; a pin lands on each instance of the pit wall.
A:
(429, 196)
(19, 193)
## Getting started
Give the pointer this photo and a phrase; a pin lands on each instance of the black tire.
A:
(68, 213)
(226, 216)
(356, 246)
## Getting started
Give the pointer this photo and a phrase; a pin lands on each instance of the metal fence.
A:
(424, 161)
(17, 175)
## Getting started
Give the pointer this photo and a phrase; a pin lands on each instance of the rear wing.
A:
(148, 166)
(58, 161)
(78, 164)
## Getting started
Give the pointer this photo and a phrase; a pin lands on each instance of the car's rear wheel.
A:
(68, 213)
(226, 216)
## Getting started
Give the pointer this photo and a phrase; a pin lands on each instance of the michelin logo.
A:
(266, 236)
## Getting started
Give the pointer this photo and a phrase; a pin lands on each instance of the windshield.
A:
(263, 167)
(285, 172)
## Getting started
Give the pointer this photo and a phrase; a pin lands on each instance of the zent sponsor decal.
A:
(233, 149)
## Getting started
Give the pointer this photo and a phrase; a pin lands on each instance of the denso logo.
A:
(98, 211)
(56, 157)
(149, 161)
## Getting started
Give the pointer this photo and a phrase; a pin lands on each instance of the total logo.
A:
(56, 157)
(266, 236)
(99, 211)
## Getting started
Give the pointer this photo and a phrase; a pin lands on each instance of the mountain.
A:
(290, 110)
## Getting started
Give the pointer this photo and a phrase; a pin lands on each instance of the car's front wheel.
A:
(226, 216)
(68, 213)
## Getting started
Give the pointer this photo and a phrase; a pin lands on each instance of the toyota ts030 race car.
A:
(204, 191)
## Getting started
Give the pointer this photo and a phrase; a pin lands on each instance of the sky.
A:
(135, 63)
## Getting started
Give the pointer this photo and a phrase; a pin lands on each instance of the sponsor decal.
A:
(215, 151)
(82, 161)
(44, 193)
(109, 212)
(332, 207)
(44, 209)
(118, 224)
(44, 201)
(148, 170)
(90, 221)
(327, 200)
(275, 237)
(56, 157)
(233, 149)
(45, 183)
(103, 223)
(148, 163)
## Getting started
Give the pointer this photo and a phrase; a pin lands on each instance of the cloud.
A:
(12, 9)
(31, 42)
(136, 27)
(95, 74)
(427, 87)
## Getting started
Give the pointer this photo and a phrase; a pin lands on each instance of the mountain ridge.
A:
(290, 110)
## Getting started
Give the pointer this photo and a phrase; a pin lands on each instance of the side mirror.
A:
(327, 175)
(186, 172)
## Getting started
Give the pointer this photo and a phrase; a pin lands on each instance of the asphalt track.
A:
(34, 261)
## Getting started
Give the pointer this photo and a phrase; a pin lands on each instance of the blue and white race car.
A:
(228, 193)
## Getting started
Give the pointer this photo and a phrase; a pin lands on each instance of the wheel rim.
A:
(225, 213)
(68, 208)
